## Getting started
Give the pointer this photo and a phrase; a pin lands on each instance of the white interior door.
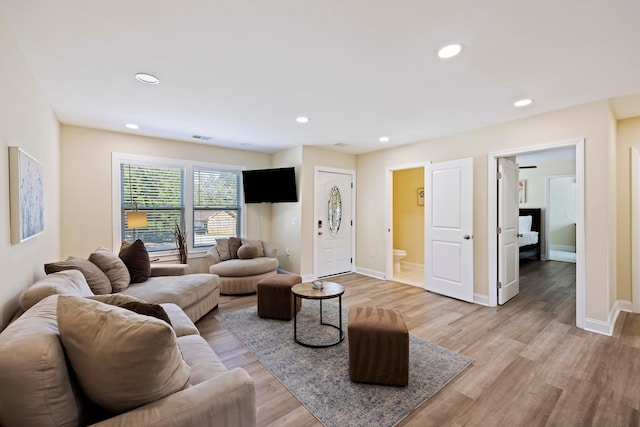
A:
(508, 249)
(333, 223)
(449, 229)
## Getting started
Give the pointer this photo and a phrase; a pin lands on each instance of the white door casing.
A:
(508, 250)
(449, 229)
(333, 223)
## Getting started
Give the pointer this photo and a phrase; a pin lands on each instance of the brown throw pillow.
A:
(247, 252)
(148, 309)
(136, 257)
(96, 279)
(256, 243)
(222, 245)
(234, 245)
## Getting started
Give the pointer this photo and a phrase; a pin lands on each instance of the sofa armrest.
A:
(170, 269)
(270, 251)
(225, 400)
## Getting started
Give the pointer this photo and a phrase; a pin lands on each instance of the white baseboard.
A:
(371, 273)
(411, 265)
(307, 278)
(481, 299)
(563, 248)
(606, 328)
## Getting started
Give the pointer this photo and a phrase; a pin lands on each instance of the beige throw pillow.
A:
(121, 359)
(222, 245)
(247, 252)
(256, 243)
(113, 267)
(97, 280)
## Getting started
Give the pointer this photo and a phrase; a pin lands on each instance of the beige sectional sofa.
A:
(77, 359)
(82, 353)
(241, 268)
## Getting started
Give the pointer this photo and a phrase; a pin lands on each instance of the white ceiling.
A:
(241, 71)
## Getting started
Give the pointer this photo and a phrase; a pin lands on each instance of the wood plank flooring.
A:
(532, 366)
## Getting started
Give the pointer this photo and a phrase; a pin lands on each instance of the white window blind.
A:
(216, 205)
(158, 191)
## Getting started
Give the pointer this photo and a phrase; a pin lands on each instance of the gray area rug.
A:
(319, 378)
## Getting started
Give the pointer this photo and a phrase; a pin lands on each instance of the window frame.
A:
(188, 166)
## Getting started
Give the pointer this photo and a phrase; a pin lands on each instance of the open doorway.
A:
(405, 246)
(535, 165)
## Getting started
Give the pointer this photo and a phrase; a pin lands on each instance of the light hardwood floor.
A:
(532, 366)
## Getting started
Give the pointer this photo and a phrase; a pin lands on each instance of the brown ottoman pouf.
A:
(378, 346)
(275, 299)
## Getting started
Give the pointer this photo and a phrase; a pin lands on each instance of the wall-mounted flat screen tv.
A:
(270, 185)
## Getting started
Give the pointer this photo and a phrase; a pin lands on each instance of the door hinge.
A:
(498, 175)
(351, 260)
(499, 285)
(352, 185)
(352, 223)
(498, 230)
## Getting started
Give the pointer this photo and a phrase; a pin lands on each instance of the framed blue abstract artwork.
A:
(26, 189)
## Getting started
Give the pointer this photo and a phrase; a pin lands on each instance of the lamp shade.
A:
(136, 219)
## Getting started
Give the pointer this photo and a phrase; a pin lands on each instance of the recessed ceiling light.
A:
(245, 144)
(132, 126)
(384, 139)
(450, 51)
(302, 119)
(147, 78)
(523, 102)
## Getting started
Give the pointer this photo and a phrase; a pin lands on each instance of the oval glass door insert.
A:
(335, 211)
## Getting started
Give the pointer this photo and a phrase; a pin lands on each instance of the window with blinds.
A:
(203, 199)
(216, 205)
(158, 191)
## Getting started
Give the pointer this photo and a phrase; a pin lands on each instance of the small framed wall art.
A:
(26, 194)
(420, 196)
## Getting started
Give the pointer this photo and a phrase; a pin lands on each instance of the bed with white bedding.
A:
(529, 233)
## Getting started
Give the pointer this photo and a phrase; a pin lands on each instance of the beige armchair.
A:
(241, 271)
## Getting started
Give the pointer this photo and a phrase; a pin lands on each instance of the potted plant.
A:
(181, 242)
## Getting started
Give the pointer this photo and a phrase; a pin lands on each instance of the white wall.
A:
(26, 120)
(591, 121)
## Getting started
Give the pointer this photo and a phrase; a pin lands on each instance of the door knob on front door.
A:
(319, 233)
(466, 237)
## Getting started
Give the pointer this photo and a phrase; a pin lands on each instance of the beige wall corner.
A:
(26, 121)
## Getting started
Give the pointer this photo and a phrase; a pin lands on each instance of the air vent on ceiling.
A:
(202, 137)
(341, 144)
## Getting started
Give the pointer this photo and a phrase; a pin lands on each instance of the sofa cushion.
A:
(234, 245)
(204, 363)
(181, 290)
(97, 280)
(222, 245)
(256, 243)
(35, 386)
(113, 267)
(244, 267)
(121, 359)
(136, 257)
(247, 252)
(63, 282)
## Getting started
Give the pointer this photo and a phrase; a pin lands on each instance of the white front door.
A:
(333, 223)
(508, 249)
(449, 229)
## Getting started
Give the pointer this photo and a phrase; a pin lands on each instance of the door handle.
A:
(520, 234)
(319, 233)
(467, 237)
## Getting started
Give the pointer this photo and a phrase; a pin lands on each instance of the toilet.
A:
(398, 254)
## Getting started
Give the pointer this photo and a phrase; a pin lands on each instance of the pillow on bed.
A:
(524, 224)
